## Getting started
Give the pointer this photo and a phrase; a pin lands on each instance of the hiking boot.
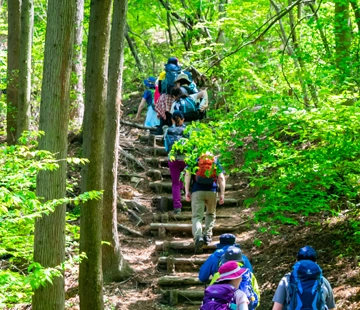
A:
(199, 242)
(207, 240)
(177, 211)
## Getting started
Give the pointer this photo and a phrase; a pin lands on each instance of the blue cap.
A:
(150, 82)
(177, 113)
(173, 60)
(225, 240)
(307, 253)
(232, 253)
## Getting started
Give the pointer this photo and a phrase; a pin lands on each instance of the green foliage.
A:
(19, 207)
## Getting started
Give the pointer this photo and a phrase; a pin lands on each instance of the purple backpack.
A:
(218, 297)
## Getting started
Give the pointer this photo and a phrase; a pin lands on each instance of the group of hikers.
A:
(233, 284)
(173, 100)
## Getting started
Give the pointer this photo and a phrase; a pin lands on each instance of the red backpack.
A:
(206, 174)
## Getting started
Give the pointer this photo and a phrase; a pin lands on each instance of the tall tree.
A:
(115, 268)
(27, 25)
(13, 61)
(342, 32)
(49, 245)
(91, 279)
(77, 99)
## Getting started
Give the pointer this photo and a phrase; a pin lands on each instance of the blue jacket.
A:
(211, 265)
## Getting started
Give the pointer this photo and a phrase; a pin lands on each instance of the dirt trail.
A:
(166, 268)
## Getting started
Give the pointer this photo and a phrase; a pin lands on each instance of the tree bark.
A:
(49, 242)
(14, 26)
(342, 31)
(27, 25)
(356, 10)
(90, 278)
(321, 31)
(77, 100)
(114, 266)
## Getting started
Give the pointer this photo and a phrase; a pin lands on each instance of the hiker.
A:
(151, 119)
(249, 283)
(173, 134)
(203, 194)
(165, 82)
(316, 292)
(188, 105)
(211, 265)
(225, 293)
(184, 80)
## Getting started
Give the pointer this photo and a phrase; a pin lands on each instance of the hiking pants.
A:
(176, 167)
(200, 200)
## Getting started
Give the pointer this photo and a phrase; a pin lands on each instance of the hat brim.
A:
(182, 78)
(149, 84)
(233, 276)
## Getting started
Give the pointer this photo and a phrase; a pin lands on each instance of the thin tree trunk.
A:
(90, 278)
(115, 268)
(14, 26)
(321, 31)
(133, 50)
(168, 21)
(342, 32)
(49, 242)
(27, 24)
(291, 53)
(77, 102)
(298, 55)
(356, 10)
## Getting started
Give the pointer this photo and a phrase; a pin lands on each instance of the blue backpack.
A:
(219, 297)
(172, 71)
(247, 287)
(189, 108)
(173, 134)
(305, 291)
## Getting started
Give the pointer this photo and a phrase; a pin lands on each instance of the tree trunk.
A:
(133, 50)
(342, 32)
(27, 24)
(77, 100)
(49, 243)
(90, 278)
(14, 25)
(321, 31)
(114, 267)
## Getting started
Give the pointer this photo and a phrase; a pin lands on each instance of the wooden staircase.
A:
(174, 245)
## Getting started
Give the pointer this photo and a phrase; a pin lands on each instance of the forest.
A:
(86, 216)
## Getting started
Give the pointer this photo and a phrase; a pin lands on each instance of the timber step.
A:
(165, 203)
(152, 140)
(175, 264)
(157, 162)
(181, 279)
(183, 246)
(191, 296)
(165, 187)
(166, 217)
(155, 150)
(159, 174)
(160, 229)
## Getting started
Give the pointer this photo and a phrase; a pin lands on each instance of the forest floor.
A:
(272, 256)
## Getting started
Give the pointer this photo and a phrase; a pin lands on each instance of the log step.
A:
(166, 217)
(158, 174)
(183, 246)
(165, 187)
(152, 140)
(191, 296)
(155, 150)
(165, 203)
(180, 280)
(160, 229)
(157, 162)
(172, 264)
